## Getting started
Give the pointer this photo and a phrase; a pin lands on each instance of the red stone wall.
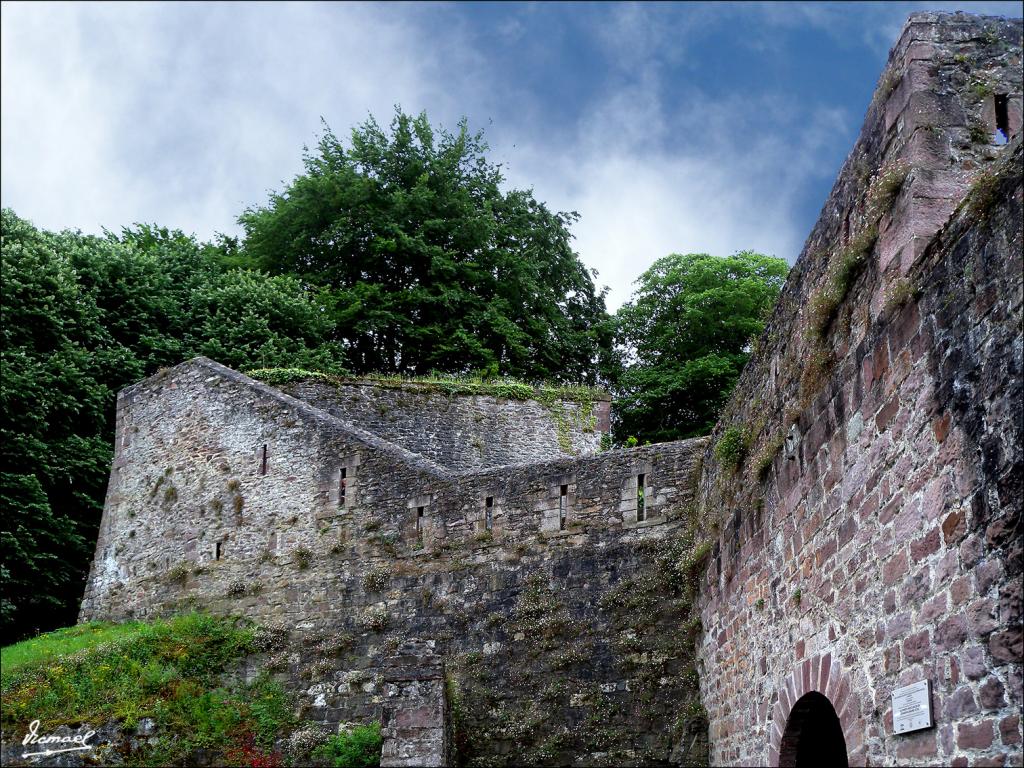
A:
(869, 535)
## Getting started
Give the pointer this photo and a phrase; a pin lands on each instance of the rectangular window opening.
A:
(641, 506)
(263, 461)
(1002, 118)
(563, 506)
(489, 513)
(342, 483)
(217, 550)
(419, 523)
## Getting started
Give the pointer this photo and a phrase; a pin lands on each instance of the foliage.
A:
(356, 748)
(165, 670)
(427, 264)
(731, 447)
(843, 269)
(685, 338)
(81, 318)
(766, 454)
(451, 384)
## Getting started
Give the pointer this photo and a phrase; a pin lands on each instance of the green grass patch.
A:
(510, 389)
(63, 642)
(169, 670)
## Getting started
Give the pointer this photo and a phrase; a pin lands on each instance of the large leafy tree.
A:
(685, 338)
(429, 264)
(80, 318)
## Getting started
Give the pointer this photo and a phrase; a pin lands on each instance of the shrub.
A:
(357, 748)
(305, 740)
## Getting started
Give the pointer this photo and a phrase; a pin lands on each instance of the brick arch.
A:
(824, 675)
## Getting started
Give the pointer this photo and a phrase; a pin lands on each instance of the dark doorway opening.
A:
(813, 735)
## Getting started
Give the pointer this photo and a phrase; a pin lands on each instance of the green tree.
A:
(684, 338)
(80, 318)
(430, 266)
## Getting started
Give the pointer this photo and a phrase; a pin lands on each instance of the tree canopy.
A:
(685, 338)
(81, 318)
(428, 264)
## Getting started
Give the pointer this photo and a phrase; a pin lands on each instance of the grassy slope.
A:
(166, 670)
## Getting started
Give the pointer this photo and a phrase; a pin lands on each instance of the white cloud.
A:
(183, 113)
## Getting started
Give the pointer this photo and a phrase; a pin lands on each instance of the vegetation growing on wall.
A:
(450, 384)
(642, 632)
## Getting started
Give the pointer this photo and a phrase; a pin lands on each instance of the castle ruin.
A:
(843, 584)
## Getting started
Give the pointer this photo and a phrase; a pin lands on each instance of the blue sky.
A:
(668, 127)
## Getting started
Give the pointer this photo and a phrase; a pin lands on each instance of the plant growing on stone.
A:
(178, 574)
(302, 557)
(901, 291)
(884, 189)
(237, 588)
(304, 740)
(318, 669)
(374, 618)
(766, 456)
(377, 577)
(269, 638)
(731, 447)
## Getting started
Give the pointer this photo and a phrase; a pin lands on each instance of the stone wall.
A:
(464, 432)
(562, 639)
(866, 505)
(415, 723)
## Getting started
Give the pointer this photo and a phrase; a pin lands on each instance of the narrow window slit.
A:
(489, 513)
(217, 550)
(263, 461)
(342, 483)
(419, 523)
(1002, 118)
(641, 506)
(563, 506)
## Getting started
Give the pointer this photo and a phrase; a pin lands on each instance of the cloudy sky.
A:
(685, 127)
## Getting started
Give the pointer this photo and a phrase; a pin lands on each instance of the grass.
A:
(510, 389)
(63, 642)
(168, 670)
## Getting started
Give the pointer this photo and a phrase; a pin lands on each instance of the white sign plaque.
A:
(912, 707)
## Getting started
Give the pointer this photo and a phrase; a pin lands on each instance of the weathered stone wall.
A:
(463, 432)
(415, 723)
(867, 502)
(563, 642)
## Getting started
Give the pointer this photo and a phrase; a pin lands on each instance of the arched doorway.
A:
(813, 735)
